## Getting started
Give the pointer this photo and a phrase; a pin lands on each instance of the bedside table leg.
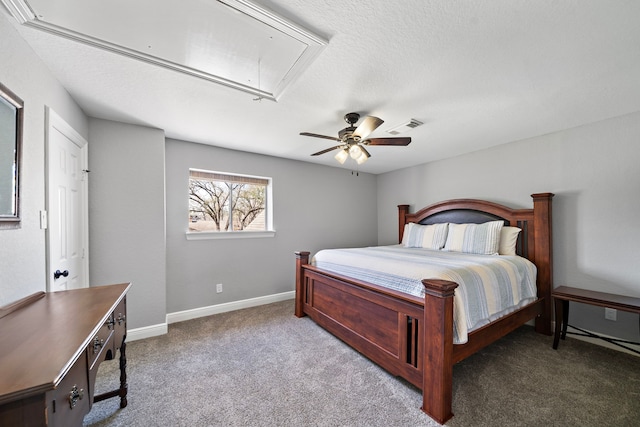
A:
(559, 318)
(565, 318)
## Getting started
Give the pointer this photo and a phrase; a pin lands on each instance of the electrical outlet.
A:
(610, 313)
(219, 288)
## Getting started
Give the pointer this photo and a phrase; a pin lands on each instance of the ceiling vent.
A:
(405, 127)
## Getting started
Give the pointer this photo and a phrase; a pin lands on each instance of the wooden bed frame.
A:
(412, 337)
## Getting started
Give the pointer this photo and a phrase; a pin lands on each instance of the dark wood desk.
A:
(563, 294)
(51, 347)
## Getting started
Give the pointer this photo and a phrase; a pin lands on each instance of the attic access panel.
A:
(231, 42)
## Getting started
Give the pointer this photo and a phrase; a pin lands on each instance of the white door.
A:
(67, 207)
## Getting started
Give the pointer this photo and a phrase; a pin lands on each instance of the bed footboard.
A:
(346, 308)
(410, 336)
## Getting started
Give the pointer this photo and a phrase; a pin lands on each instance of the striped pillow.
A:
(425, 236)
(474, 238)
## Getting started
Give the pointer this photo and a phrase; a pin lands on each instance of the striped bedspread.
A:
(490, 286)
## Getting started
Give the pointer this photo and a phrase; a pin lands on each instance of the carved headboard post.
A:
(543, 249)
(403, 210)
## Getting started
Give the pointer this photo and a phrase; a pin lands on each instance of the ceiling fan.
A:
(353, 139)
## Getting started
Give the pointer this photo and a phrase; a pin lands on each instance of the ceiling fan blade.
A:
(327, 150)
(315, 135)
(388, 141)
(368, 125)
(364, 150)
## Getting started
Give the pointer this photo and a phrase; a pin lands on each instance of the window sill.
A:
(204, 235)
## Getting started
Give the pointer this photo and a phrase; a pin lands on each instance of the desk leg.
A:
(123, 375)
(122, 390)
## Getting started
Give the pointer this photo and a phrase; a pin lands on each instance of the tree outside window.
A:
(221, 202)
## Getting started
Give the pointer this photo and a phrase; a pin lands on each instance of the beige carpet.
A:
(264, 367)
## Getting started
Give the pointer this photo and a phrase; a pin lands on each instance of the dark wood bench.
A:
(564, 294)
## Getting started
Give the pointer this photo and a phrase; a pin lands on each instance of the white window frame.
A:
(211, 235)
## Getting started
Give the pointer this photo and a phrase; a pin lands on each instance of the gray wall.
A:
(22, 251)
(592, 169)
(314, 207)
(127, 216)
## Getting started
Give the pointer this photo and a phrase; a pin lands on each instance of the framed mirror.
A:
(11, 125)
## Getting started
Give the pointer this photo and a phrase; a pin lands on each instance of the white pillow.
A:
(474, 238)
(425, 236)
(508, 240)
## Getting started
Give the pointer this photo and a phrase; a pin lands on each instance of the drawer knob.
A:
(75, 395)
(97, 344)
(110, 322)
(121, 318)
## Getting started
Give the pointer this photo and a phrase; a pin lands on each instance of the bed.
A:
(412, 336)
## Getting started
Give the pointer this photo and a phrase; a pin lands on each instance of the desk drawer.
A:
(70, 401)
(100, 343)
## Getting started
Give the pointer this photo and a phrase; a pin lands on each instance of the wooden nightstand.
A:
(563, 294)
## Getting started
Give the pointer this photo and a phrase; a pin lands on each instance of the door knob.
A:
(59, 273)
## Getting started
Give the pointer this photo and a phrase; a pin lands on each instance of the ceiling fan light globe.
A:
(362, 158)
(355, 151)
(342, 156)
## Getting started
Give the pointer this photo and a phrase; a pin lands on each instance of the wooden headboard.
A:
(534, 241)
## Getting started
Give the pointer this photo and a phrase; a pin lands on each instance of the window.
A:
(224, 203)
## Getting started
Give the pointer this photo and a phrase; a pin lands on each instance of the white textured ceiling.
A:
(477, 73)
(231, 42)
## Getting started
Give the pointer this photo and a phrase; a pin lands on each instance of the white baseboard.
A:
(603, 343)
(181, 316)
(147, 332)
